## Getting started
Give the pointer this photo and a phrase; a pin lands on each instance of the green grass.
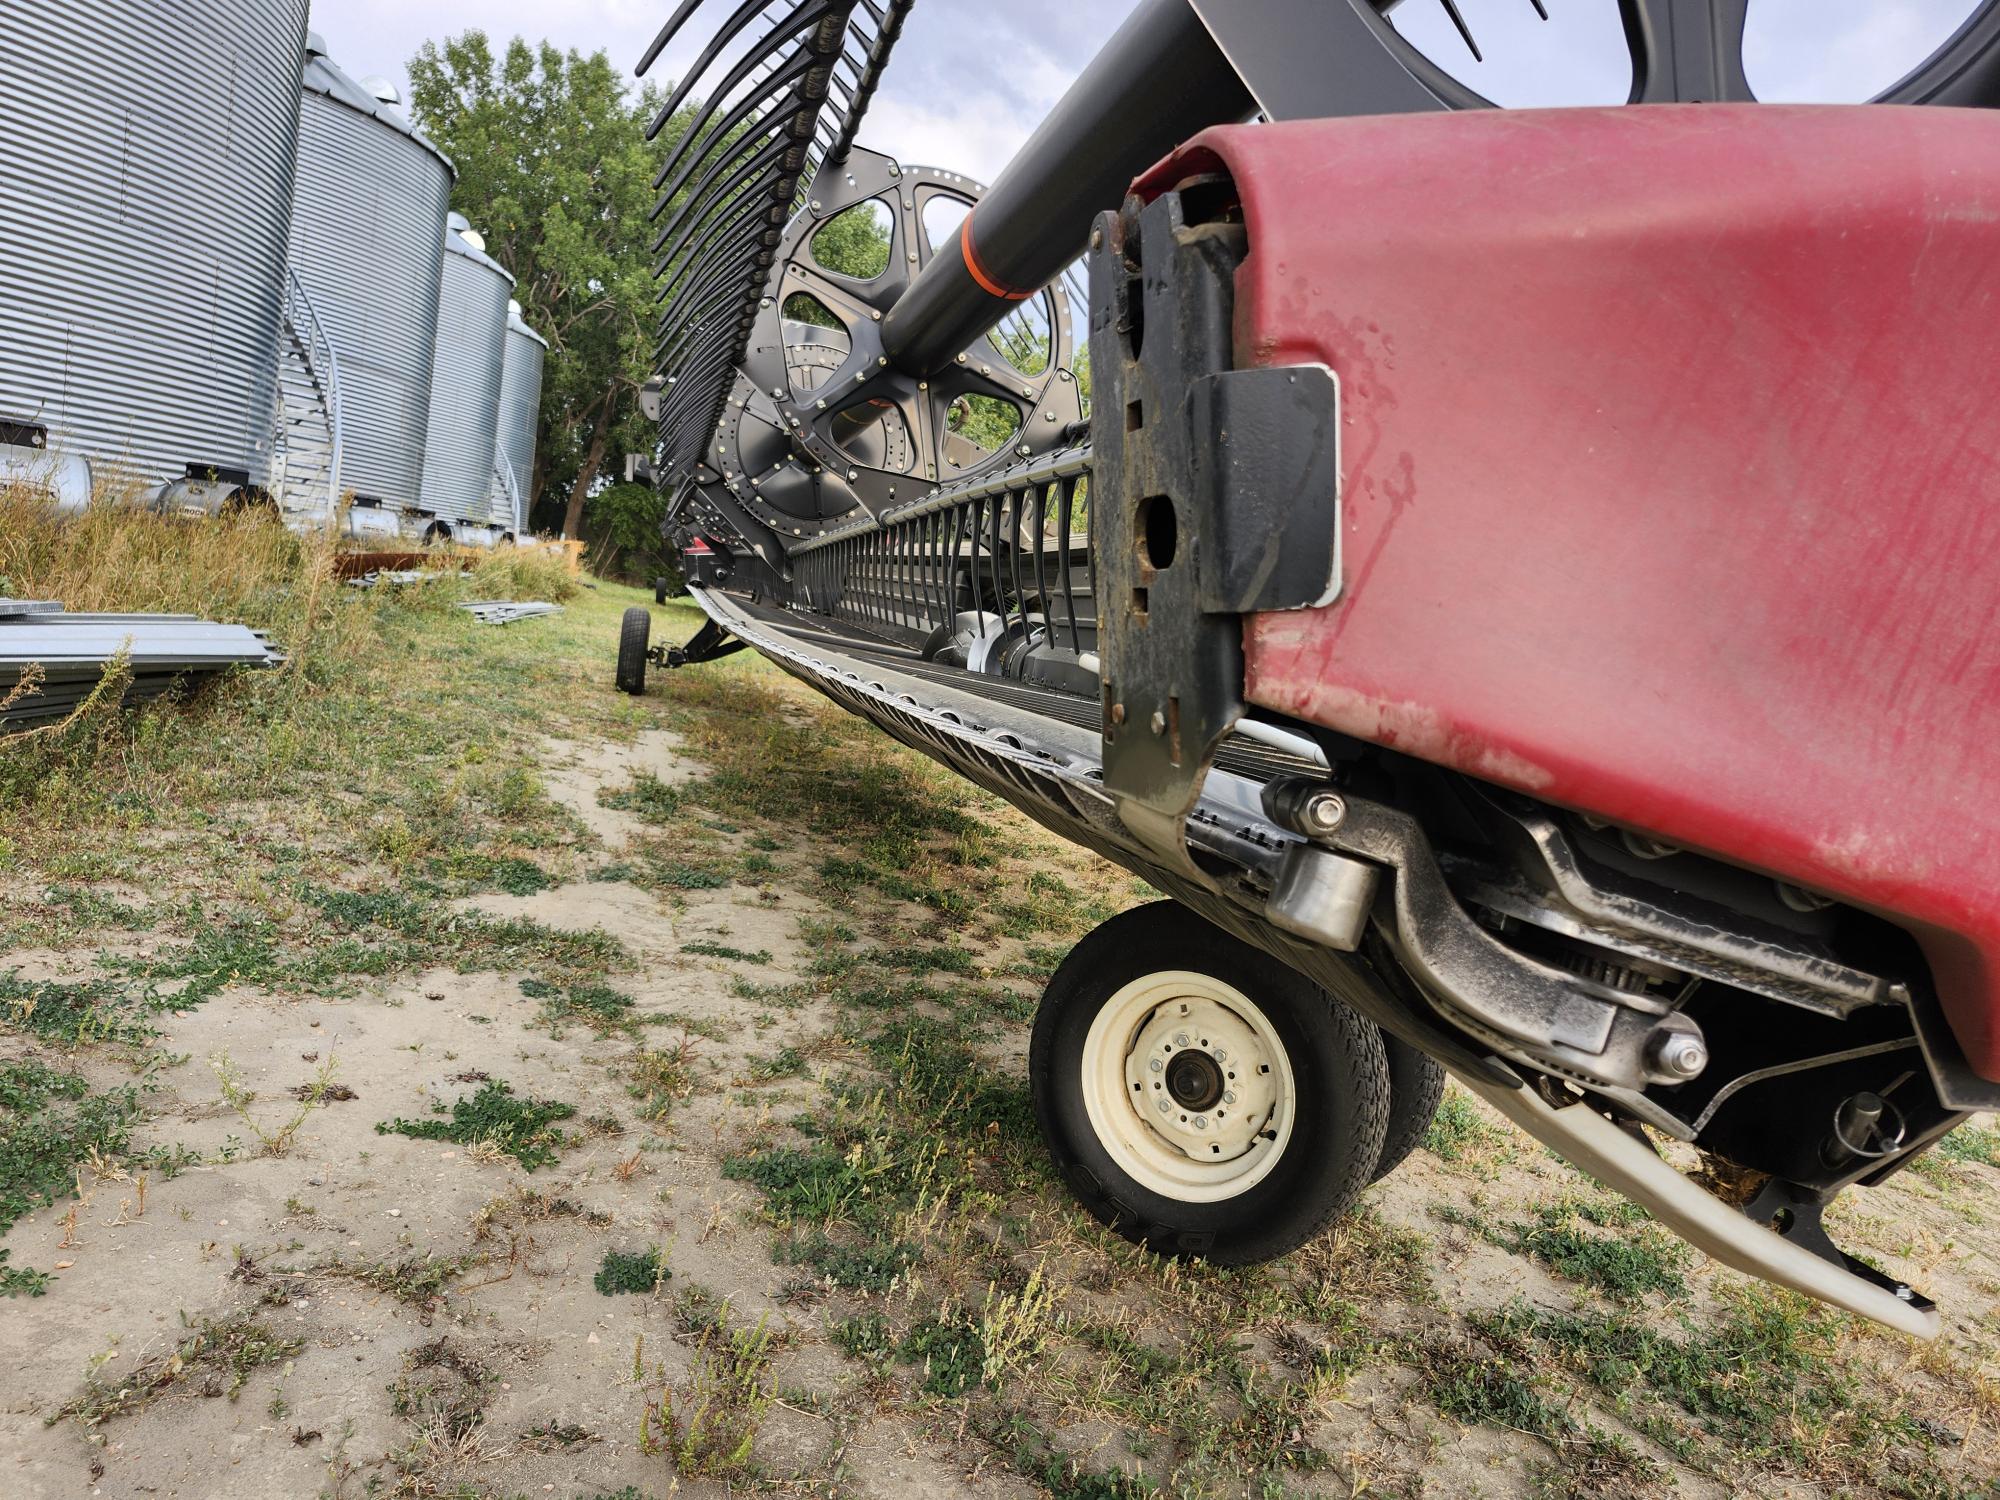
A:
(1459, 1132)
(524, 1129)
(1972, 1143)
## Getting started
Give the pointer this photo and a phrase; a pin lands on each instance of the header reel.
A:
(821, 428)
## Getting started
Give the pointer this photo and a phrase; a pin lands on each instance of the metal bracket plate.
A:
(1265, 450)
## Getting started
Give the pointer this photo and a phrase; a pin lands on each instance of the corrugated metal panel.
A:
(368, 242)
(465, 383)
(520, 406)
(148, 154)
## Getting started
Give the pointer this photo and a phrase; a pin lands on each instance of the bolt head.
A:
(1324, 812)
(1165, 1107)
(1229, 1096)
(1201, 1122)
(1681, 1054)
(1158, 1065)
(1180, 1039)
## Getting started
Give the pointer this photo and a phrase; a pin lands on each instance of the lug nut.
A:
(1158, 1065)
(1201, 1122)
(1229, 1096)
(1680, 1054)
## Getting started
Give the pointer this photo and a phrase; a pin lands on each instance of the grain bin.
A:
(465, 378)
(367, 241)
(149, 157)
(520, 409)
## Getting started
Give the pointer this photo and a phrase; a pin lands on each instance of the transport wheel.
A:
(634, 633)
(1416, 1088)
(1200, 1097)
(660, 590)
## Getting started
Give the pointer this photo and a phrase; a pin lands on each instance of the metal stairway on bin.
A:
(307, 470)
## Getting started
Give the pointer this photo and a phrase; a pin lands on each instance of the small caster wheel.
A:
(634, 634)
(1200, 1097)
(660, 590)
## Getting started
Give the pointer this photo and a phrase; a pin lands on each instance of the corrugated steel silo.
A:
(148, 157)
(465, 380)
(367, 241)
(520, 408)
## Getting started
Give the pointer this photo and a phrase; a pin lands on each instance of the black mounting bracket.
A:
(710, 643)
(1793, 1213)
(1214, 492)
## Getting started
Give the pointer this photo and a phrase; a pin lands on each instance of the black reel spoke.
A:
(1690, 51)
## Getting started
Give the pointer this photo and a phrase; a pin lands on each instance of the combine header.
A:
(1523, 582)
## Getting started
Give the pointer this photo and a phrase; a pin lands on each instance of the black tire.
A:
(1340, 1108)
(634, 635)
(659, 591)
(1416, 1088)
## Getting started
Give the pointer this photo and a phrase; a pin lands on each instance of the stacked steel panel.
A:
(52, 661)
(465, 382)
(367, 240)
(520, 409)
(149, 157)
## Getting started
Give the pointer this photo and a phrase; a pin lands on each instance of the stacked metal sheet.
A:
(503, 612)
(68, 654)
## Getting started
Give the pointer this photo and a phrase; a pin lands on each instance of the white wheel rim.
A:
(1150, 1045)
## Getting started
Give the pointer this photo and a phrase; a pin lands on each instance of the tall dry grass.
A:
(340, 645)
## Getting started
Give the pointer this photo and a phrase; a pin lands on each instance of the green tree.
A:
(555, 170)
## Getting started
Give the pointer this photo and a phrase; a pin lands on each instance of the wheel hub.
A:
(1194, 1080)
(1205, 1076)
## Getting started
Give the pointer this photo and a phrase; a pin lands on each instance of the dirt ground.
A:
(260, 1295)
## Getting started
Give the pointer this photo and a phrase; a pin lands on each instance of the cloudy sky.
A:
(971, 78)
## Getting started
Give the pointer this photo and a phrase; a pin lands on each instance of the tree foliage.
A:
(555, 171)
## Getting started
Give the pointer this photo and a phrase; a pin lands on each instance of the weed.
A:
(72, 1014)
(279, 1140)
(524, 1129)
(722, 950)
(49, 1122)
(662, 1078)
(648, 798)
(216, 1358)
(787, 1062)
(950, 1351)
(444, 1390)
(708, 1426)
(597, 1006)
(1625, 1266)
(872, 1267)
(1481, 1389)
(864, 1337)
(419, 1281)
(631, 1271)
